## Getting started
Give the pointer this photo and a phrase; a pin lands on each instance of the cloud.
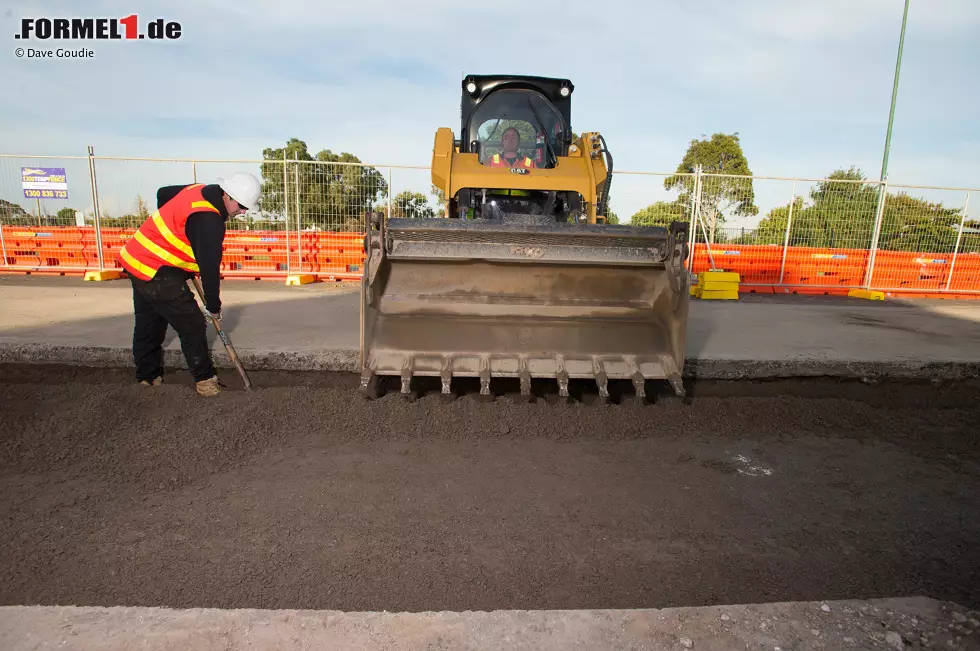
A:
(807, 85)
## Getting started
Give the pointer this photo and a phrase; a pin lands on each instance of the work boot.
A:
(157, 381)
(208, 387)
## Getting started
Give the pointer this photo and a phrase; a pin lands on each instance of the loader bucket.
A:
(523, 297)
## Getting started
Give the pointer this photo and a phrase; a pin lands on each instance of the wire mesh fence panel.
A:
(830, 234)
(917, 239)
(965, 273)
(796, 233)
(332, 201)
(46, 214)
(258, 243)
(745, 220)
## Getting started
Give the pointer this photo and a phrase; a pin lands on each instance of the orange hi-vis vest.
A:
(498, 161)
(161, 239)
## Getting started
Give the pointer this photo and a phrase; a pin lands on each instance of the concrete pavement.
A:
(911, 623)
(315, 327)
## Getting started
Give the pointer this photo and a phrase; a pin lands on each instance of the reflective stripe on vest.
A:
(161, 239)
(496, 161)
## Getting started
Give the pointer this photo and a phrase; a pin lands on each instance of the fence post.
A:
(876, 233)
(789, 224)
(692, 240)
(299, 215)
(194, 170)
(95, 206)
(389, 193)
(959, 237)
(285, 205)
(3, 244)
(700, 220)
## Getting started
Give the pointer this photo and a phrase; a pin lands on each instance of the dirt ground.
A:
(302, 495)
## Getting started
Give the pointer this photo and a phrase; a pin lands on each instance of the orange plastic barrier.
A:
(901, 270)
(340, 256)
(34, 247)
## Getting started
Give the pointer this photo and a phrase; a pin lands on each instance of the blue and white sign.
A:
(44, 182)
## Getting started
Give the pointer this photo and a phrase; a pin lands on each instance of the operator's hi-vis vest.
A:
(161, 240)
(498, 161)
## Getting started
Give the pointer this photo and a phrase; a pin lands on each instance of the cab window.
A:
(520, 122)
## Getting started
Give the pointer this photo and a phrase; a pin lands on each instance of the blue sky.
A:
(806, 84)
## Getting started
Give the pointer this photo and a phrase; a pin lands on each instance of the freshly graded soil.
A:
(302, 495)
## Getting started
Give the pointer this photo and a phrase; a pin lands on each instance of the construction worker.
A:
(183, 237)
(511, 141)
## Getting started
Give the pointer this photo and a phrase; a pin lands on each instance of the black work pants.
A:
(167, 300)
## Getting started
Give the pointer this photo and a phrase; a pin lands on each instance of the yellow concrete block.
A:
(725, 294)
(300, 279)
(108, 274)
(694, 290)
(721, 276)
(868, 294)
(715, 285)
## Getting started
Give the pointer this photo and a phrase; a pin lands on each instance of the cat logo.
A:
(519, 170)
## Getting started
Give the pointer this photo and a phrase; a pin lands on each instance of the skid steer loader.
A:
(522, 278)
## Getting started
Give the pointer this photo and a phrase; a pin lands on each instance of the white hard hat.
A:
(243, 188)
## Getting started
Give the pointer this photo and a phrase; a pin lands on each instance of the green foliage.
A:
(722, 154)
(440, 199)
(413, 205)
(661, 213)
(329, 197)
(841, 214)
(611, 216)
(13, 214)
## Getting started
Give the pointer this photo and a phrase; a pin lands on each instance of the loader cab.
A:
(537, 108)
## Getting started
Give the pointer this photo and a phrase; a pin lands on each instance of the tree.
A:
(12, 213)
(842, 212)
(661, 213)
(440, 198)
(141, 210)
(413, 205)
(721, 155)
(333, 191)
(65, 217)
(611, 216)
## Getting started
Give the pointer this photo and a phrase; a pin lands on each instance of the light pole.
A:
(891, 112)
(882, 193)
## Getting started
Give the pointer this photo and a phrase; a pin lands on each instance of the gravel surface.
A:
(302, 495)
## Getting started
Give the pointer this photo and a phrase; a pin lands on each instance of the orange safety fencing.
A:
(252, 254)
(340, 256)
(835, 271)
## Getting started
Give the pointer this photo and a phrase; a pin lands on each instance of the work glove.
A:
(214, 315)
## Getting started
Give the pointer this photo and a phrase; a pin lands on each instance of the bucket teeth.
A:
(562, 378)
(525, 376)
(369, 384)
(639, 382)
(407, 376)
(447, 377)
(601, 380)
(485, 379)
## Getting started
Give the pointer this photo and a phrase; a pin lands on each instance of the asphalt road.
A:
(301, 495)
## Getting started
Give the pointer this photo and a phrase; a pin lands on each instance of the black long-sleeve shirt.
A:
(206, 233)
